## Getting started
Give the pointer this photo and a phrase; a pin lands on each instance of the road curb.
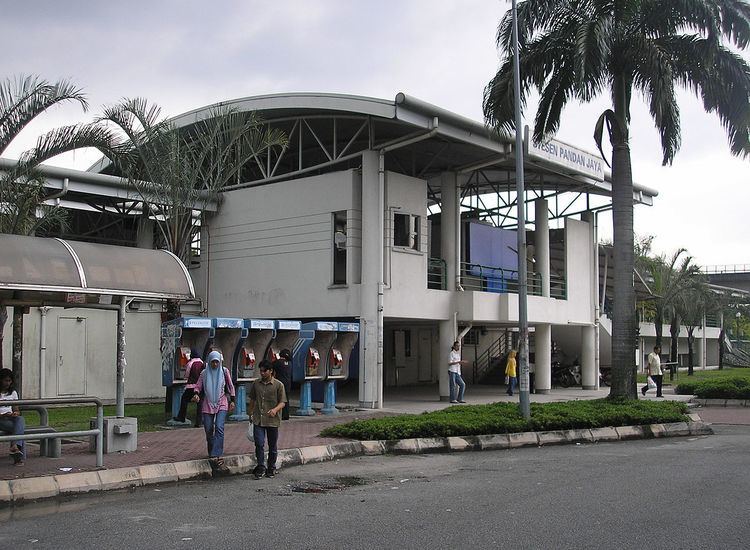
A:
(720, 402)
(38, 488)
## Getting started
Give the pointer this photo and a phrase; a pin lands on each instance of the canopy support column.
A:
(121, 363)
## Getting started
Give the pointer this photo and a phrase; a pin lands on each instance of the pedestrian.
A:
(193, 371)
(11, 421)
(267, 398)
(454, 374)
(216, 392)
(653, 369)
(283, 373)
(510, 372)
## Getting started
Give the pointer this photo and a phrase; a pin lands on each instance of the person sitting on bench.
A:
(11, 421)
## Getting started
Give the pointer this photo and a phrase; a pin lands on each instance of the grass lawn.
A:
(505, 418)
(151, 416)
(703, 375)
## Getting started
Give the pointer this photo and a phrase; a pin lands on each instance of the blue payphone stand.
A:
(337, 363)
(178, 337)
(250, 351)
(309, 363)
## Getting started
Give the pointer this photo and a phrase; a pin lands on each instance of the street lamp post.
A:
(523, 322)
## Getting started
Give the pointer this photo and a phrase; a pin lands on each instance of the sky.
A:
(184, 54)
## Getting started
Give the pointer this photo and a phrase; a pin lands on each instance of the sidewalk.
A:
(181, 444)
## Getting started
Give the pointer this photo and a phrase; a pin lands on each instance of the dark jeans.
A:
(260, 433)
(184, 402)
(214, 426)
(511, 384)
(14, 425)
(657, 380)
(457, 386)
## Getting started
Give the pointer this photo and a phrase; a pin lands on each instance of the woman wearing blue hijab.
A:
(215, 383)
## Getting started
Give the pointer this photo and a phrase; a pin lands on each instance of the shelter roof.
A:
(51, 268)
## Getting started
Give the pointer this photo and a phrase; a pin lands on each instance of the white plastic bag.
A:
(249, 433)
(651, 383)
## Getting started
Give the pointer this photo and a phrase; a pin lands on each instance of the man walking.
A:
(267, 398)
(454, 374)
(653, 369)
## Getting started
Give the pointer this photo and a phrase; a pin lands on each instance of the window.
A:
(339, 247)
(406, 229)
(472, 337)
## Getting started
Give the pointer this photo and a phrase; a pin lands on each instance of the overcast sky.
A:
(184, 54)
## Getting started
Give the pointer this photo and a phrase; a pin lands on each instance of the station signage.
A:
(289, 325)
(261, 324)
(567, 156)
(196, 322)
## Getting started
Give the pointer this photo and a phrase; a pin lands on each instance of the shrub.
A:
(687, 388)
(727, 388)
(505, 418)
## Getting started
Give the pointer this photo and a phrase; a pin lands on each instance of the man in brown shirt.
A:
(267, 398)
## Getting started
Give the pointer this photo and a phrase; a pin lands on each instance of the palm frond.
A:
(24, 98)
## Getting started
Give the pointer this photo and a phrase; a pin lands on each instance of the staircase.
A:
(489, 367)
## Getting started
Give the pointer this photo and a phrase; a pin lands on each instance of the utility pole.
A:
(523, 321)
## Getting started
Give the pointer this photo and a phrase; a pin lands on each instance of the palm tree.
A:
(22, 191)
(177, 171)
(580, 49)
(668, 277)
(692, 304)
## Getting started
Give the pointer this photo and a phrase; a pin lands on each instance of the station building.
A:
(397, 214)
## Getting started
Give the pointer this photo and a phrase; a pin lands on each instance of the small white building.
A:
(400, 215)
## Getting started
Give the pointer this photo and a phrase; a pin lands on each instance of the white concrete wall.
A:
(143, 371)
(270, 250)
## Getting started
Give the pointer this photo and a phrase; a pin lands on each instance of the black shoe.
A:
(259, 471)
(271, 472)
(644, 389)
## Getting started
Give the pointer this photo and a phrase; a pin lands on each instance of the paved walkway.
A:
(173, 445)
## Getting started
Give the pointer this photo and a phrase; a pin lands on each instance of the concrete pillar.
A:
(702, 344)
(541, 243)
(447, 337)
(543, 356)
(589, 374)
(448, 227)
(372, 252)
(145, 233)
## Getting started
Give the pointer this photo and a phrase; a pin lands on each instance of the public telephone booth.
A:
(310, 359)
(178, 337)
(337, 365)
(287, 334)
(250, 351)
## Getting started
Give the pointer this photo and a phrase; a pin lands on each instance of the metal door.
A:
(425, 355)
(71, 356)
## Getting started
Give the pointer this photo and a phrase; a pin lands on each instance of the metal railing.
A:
(98, 432)
(485, 278)
(732, 268)
(483, 363)
(436, 270)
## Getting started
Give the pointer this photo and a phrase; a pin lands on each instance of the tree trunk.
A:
(623, 317)
(172, 313)
(722, 336)
(690, 350)
(3, 319)
(658, 322)
(18, 349)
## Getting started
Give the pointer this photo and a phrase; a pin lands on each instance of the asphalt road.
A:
(675, 493)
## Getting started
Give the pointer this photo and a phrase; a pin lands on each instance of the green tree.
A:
(668, 276)
(692, 303)
(23, 196)
(576, 50)
(178, 170)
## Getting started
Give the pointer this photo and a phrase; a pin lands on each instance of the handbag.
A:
(651, 384)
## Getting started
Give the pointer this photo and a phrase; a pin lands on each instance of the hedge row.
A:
(716, 388)
(505, 418)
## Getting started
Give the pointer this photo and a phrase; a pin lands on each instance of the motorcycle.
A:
(564, 376)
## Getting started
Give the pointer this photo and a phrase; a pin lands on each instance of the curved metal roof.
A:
(52, 266)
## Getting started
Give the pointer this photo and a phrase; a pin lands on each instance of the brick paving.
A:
(173, 445)
(725, 415)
